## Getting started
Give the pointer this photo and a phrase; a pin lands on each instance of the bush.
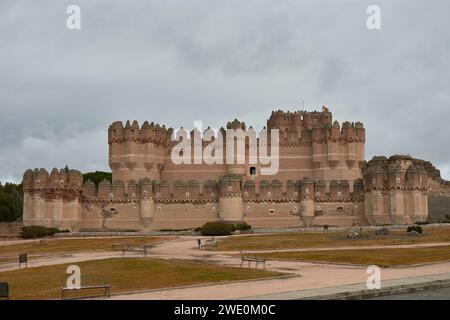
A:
(416, 228)
(198, 229)
(421, 223)
(38, 232)
(216, 229)
(243, 226)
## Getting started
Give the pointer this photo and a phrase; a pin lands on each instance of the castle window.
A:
(295, 194)
(133, 195)
(374, 181)
(61, 182)
(295, 209)
(248, 208)
(145, 193)
(158, 209)
(252, 170)
(397, 180)
(340, 209)
(187, 194)
(111, 196)
(318, 208)
(213, 209)
(158, 194)
(339, 194)
(230, 188)
(213, 194)
(317, 194)
(271, 211)
(269, 194)
(307, 191)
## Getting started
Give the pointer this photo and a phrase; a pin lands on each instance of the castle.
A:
(323, 179)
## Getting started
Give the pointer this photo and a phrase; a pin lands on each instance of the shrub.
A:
(421, 223)
(38, 231)
(198, 229)
(416, 228)
(243, 226)
(216, 229)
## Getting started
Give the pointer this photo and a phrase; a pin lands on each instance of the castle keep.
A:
(323, 179)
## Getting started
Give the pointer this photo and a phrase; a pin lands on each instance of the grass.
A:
(380, 257)
(124, 274)
(329, 239)
(10, 252)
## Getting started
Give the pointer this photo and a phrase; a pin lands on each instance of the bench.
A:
(209, 244)
(403, 241)
(250, 259)
(122, 247)
(145, 249)
(106, 287)
(129, 248)
(41, 242)
(4, 290)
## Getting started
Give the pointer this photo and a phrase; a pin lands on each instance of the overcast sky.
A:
(174, 62)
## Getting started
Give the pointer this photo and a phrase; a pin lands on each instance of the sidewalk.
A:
(359, 291)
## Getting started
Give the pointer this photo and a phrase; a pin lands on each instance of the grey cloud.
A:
(179, 61)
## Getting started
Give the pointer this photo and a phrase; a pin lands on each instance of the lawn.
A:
(328, 239)
(54, 246)
(380, 257)
(124, 274)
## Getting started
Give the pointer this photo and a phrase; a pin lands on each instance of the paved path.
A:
(432, 294)
(307, 276)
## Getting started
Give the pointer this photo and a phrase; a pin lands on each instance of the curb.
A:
(359, 291)
(394, 290)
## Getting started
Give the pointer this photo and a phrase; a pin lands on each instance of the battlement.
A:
(156, 189)
(304, 128)
(148, 132)
(397, 172)
(58, 179)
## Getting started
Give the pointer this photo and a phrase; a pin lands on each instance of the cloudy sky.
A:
(176, 61)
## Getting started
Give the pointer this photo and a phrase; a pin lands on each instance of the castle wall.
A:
(52, 200)
(396, 190)
(321, 164)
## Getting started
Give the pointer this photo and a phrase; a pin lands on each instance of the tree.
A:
(97, 177)
(11, 202)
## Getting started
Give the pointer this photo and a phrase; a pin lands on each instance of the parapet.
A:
(57, 179)
(396, 172)
(148, 132)
(301, 127)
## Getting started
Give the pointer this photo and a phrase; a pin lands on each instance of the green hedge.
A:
(418, 229)
(221, 228)
(243, 226)
(216, 229)
(38, 232)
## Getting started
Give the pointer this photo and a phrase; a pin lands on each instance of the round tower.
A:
(230, 200)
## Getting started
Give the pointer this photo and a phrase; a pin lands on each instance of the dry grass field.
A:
(380, 257)
(329, 239)
(124, 274)
(61, 246)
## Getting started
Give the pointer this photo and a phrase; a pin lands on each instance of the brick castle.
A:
(323, 179)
